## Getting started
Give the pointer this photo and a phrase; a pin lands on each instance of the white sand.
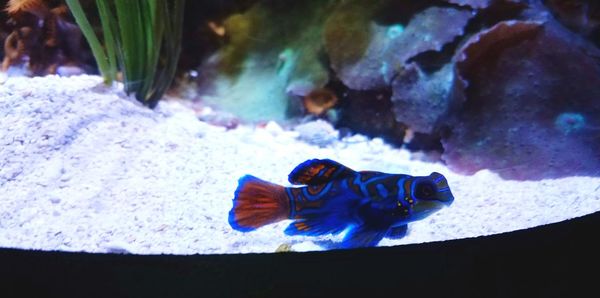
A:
(84, 168)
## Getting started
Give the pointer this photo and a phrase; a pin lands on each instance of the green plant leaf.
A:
(88, 32)
(110, 42)
(142, 38)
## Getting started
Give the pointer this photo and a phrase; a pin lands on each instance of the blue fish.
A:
(370, 205)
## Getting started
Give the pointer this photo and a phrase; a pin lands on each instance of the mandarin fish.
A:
(368, 205)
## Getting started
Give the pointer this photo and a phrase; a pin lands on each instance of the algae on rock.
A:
(274, 52)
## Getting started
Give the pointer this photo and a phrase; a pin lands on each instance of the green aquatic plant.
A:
(142, 39)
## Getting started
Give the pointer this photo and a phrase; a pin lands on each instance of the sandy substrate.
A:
(84, 168)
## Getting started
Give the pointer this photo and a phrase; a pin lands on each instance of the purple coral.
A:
(529, 92)
(421, 99)
(471, 3)
(391, 47)
(579, 15)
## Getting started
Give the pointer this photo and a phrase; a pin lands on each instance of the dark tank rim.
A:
(546, 261)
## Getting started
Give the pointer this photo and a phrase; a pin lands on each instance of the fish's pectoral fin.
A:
(319, 171)
(363, 236)
(316, 226)
(397, 232)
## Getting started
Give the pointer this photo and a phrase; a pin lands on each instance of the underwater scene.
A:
(239, 126)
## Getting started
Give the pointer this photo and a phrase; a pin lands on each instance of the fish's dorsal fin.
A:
(319, 171)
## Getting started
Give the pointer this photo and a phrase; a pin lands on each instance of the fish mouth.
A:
(424, 208)
(442, 192)
(445, 199)
(429, 205)
(444, 195)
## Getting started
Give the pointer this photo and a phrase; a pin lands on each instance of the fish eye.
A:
(425, 190)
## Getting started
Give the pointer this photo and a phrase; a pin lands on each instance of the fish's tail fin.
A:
(443, 190)
(257, 203)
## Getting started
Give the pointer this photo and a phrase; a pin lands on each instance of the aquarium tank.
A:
(238, 126)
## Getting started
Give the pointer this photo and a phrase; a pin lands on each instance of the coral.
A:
(42, 38)
(392, 46)
(568, 123)
(270, 61)
(19, 8)
(487, 4)
(203, 29)
(472, 3)
(529, 103)
(369, 113)
(18, 44)
(428, 31)
(318, 101)
(354, 44)
(580, 15)
(420, 99)
(499, 84)
(274, 57)
(503, 10)
(503, 35)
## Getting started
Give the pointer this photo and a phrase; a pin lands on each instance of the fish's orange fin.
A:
(319, 171)
(257, 203)
(319, 224)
